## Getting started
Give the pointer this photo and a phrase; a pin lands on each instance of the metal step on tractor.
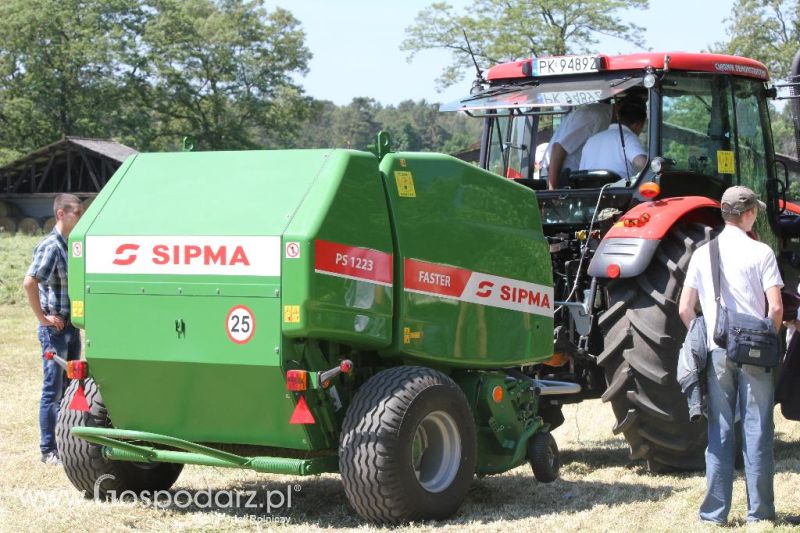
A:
(620, 245)
(408, 320)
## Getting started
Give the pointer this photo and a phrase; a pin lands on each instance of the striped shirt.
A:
(49, 267)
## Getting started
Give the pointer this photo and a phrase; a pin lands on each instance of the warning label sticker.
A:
(725, 162)
(475, 287)
(405, 184)
(352, 262)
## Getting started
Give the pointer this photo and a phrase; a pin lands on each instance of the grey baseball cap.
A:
(738, 199)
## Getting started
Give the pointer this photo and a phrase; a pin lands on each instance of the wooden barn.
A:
(76, 165)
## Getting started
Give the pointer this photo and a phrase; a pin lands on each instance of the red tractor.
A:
(620, 245)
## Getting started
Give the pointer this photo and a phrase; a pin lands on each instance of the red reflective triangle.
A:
(79, 402)
(302, 414)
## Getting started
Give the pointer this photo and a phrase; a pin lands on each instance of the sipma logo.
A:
(225, 255)
(126, 253)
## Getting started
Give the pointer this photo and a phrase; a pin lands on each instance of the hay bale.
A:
(7, 209)
(8, 225)
(49, 224)
(29, 226)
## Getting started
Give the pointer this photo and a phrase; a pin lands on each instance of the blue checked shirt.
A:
(49, 267)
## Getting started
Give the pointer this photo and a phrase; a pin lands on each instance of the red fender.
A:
(791, 207)
(663, 214)
(631, 242)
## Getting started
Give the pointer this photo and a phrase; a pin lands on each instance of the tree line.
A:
(148, 72)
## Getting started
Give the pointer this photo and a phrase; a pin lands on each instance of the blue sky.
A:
(356, 45)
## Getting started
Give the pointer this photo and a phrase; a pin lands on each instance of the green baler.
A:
(310, 311)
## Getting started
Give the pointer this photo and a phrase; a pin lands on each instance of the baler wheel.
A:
(408, 446)
(543, 457)
(643, 335)
(84, 463)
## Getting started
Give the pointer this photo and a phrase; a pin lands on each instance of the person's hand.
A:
(53, 321)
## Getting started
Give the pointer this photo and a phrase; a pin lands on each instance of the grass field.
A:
(599, 489)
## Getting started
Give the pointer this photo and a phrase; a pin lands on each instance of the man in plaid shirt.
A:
(46, 288)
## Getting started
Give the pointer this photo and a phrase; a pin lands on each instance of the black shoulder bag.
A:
(749, 340)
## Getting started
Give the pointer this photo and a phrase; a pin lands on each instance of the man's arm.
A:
(31, 286)
(557, 157)
(775, 312)
(639, 162)
(687, 304)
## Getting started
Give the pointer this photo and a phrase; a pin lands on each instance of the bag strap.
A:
(715, 267)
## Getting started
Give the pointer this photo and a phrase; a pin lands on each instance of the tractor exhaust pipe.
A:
(794, 78)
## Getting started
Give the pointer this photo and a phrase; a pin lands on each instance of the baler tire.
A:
(84, 463)
(644, 334)
(384, 432)
(544, 457)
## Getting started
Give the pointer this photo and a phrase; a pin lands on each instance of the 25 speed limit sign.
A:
(241, 324)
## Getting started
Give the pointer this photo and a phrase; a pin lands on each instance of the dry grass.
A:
(598, 491)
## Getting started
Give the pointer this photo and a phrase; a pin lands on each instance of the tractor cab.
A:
(707, 128)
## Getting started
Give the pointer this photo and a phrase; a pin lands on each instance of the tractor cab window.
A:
(517, 142)
(697, 125)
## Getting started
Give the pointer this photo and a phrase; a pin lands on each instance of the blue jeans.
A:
(752, 388)
(67, 344)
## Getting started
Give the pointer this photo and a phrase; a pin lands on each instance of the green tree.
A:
(766, 30)
(222, 72)
(58, 68)
(505, 30)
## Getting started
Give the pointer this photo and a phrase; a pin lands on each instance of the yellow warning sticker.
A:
(77, 308)
(405, 184)
(291, 314)
(409, 335)
(725, 162)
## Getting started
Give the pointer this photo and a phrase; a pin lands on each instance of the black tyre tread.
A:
(640, 361)
(366, 458)
(84, 463)
(541, 445)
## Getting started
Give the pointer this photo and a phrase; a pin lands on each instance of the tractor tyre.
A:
(408, 446)
(86, 467)
(643, 335)
(543, 457)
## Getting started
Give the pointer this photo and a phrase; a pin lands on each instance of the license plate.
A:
(570, 98)
(554, 66)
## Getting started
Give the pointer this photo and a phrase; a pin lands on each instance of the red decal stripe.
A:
(352, 262)
(435, 278)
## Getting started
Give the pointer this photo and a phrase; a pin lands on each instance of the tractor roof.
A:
(684, 61)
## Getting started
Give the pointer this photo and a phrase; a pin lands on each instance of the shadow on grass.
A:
(322, 502)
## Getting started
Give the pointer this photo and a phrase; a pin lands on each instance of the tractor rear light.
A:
(346, 366)
(77, 369)
(650, 190)
(497, 394)
(613, 271)
(296, 380)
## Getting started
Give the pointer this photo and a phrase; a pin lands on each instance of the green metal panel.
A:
(210, 193)
(467, 227)
(196, 385)
(340, 285)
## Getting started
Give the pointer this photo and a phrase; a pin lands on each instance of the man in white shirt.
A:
(604, 150)
(748, 273)
(564, 150)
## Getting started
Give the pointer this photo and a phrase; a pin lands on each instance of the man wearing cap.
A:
(749, 272)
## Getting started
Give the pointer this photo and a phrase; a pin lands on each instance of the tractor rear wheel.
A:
(408, 446)
(84, 464)
(643, 335)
